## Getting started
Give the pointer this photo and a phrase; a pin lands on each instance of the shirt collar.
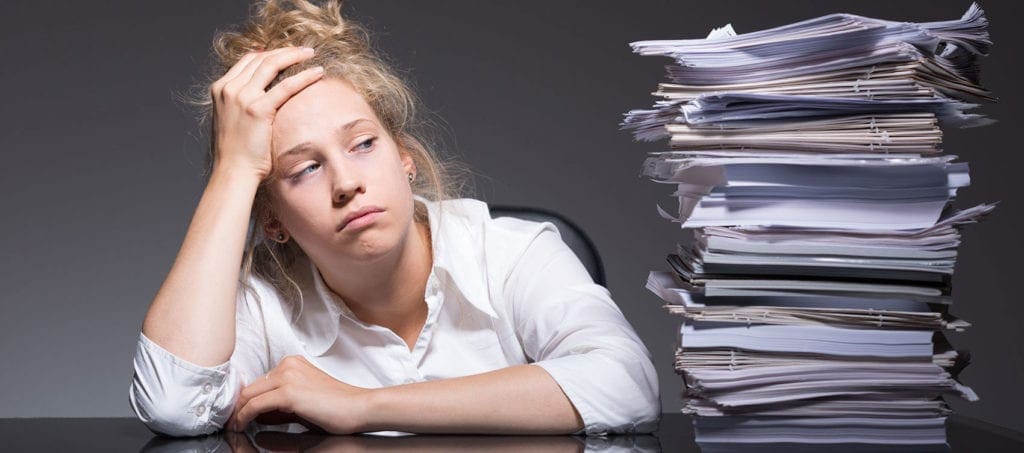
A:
(457, 239)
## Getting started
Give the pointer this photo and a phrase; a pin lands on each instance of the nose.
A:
(347, 181)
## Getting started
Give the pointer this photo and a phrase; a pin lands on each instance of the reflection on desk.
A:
(921, 433)
(285, 441)
(676, 434)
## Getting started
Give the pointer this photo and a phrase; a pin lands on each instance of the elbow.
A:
(647, 397)
(615, 391)
(638, 395)
(648, 419)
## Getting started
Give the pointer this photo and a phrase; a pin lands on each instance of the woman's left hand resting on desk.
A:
(520, 399)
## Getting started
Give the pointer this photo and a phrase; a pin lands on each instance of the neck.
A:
(388, 292)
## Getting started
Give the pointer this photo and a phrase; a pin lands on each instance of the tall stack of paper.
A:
(807, 164)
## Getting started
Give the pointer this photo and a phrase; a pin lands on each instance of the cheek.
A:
(294, 206)
(385, 174)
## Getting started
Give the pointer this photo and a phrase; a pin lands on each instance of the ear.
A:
(272, 227)
(408, 166)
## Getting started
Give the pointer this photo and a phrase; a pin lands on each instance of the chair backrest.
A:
(571, 233)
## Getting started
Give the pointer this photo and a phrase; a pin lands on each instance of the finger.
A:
(239, 66)
(218, 86)
(283, 91)
(247, 71)
(269, 67)
(266, 402)
(260, 386)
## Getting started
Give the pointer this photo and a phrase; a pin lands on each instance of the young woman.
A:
(330, 278)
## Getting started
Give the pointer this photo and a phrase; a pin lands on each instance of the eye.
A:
(304, 171)
(366, 144)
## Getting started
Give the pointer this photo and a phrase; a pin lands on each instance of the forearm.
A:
(522, 399)
(193, 313)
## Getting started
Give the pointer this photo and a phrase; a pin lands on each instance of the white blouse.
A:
(501, 292)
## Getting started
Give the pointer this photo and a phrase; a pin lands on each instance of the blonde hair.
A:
(343, 49)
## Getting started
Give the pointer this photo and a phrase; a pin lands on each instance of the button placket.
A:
(433, 299)
(404, 377)
(410, 371)
(399, 356)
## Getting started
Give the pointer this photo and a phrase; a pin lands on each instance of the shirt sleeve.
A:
(175, 397)
(571, 327)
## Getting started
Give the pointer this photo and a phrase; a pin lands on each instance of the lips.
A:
(359, 213)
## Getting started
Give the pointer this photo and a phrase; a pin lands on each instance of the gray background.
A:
(101, 166)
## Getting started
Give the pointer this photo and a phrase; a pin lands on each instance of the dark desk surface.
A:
(675, 434)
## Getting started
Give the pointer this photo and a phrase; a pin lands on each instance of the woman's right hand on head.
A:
(244, 110)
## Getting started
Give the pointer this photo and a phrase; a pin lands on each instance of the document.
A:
(814, 282)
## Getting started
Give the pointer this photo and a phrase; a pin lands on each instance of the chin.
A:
(372, 245)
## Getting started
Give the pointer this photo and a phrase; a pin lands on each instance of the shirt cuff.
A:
(176, 397)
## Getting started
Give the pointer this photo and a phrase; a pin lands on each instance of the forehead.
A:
(315, 113)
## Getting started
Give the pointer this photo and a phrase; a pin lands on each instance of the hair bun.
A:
(280, 23)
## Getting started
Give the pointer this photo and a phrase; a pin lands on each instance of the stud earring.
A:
(411, 177)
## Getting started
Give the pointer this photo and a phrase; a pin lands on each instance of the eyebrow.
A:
(306, 146)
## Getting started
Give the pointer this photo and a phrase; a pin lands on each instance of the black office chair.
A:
(572, 234)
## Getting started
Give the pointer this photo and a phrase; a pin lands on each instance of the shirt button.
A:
(200, 410)
(207, 388)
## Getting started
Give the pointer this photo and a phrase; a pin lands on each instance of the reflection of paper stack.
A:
(807, 159)
(835, 434)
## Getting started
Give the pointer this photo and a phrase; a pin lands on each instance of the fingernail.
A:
(307, 49)
(318, 69)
